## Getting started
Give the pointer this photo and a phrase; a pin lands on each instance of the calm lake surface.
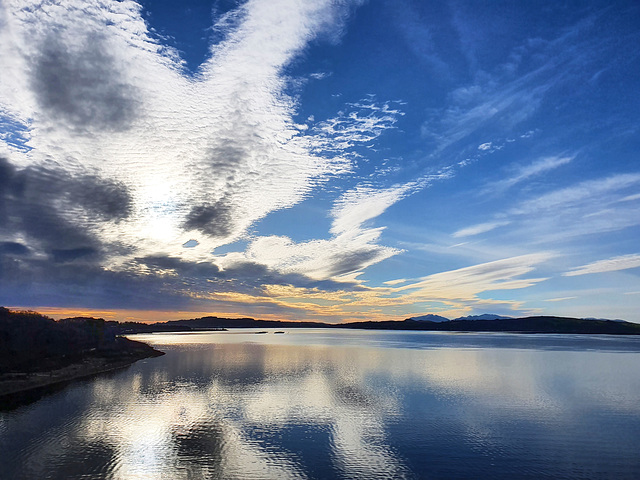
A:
(343, 404)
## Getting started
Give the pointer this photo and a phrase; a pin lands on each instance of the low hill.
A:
(539, 324)
(480, 323)
(207, 323)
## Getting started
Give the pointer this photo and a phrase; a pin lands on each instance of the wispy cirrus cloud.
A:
(595, 193)
(585, 208)
(560, 299)
(621, 262)
(469, 281)
(479, 228)
(503, 97)
(526, 172)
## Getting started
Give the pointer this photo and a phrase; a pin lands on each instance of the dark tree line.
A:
(30, 341)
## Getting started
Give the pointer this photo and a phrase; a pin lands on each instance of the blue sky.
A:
(320, 160)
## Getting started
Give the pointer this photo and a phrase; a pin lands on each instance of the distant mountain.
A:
(431, 322)
(430, 318)
(484, 316)
(539, 324)
(606, 319)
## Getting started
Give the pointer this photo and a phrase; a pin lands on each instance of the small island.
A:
(39, 354)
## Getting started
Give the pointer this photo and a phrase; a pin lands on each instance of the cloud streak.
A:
(614, 264)
(479, 228)
(524, 173)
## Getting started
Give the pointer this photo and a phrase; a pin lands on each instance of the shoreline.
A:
(21, 388)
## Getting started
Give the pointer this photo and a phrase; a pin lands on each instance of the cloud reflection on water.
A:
(232, 405)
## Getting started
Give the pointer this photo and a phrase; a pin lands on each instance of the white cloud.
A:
(320, 75)
(359, 124)
(395, 282)
(536, 168)
(631, 198)
(202, 157)
(340, 258)
(591, 190)
(622, 262)
(466, 283)
(485, 146)
(560, 299)
(361, 204)
(351, 248)
(479, 228)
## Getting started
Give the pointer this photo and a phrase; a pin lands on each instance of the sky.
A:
(331, 160)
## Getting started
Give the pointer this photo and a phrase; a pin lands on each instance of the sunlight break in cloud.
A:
(622, 262)
(187, 159)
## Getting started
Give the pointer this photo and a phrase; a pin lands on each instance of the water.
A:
(342, 404)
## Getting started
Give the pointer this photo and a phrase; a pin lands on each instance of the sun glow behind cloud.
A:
(201, 157)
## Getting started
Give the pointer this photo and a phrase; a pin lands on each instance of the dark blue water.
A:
(348, 404)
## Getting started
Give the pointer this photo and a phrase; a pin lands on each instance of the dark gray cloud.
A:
(353, 261)
(246, 277)
(105, 199)
(35, 201)
(185, 269)
(231, 148)
(83, 86)
(48, 257)
(31, 281)
(70, 254)
(13, 248)
(255, 275)
(57, 259)
(215, 220)
(40, 281)
(27, 203)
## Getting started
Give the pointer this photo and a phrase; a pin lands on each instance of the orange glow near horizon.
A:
(143, 316)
